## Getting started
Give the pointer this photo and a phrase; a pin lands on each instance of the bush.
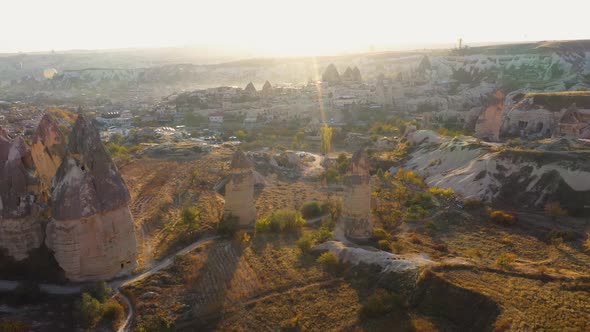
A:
(397, 247)
(502, 218)
(305, 243)
(505, 261)
(441, 193)
(328, 260)
(100, 291)
(113, 312)
(384, 245)
(558, 236)
(323, 235)
(311, 210)
(381, 302)
(381, 234)
(280, 221)
(91, 310)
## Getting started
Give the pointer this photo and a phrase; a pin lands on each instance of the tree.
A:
(326, 135)
(554, 210)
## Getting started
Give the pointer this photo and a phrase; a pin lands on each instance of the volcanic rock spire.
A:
(356, 211)
(239, 190)
(91, 231)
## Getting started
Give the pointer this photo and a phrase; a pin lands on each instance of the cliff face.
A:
(239, 190)
(356, 210)
(20, 227)
(91, 231)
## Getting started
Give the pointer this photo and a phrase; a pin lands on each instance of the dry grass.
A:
(263, 286)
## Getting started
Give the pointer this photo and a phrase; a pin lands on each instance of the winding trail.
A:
(11, 285)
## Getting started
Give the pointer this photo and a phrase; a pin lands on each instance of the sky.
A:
(285, 28)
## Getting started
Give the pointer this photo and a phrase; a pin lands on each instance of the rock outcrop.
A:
(538, 115)
(528, 177)
(356, 210)
(91, 231)
(331, 74)
(239, 190)
(20, 226)
(267, 89)
(490, 120)
(250, 90)
(48, 151)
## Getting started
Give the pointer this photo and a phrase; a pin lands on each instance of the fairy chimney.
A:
(21, 229)
(356, 210)
(91, 232)
(239, 190)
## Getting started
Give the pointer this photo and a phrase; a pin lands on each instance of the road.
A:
(11, 285)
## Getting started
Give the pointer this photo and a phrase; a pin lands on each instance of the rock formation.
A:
(356, 208)
(48, 151)
(239, 190)
(356, 74)
(266, 89)
(250, 90)
(91, 231)
(538, 115)
(20, 226)
(331, 75)
(490, 120)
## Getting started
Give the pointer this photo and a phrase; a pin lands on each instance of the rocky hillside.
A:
(537, 66)
(88, 228)
(529, 175)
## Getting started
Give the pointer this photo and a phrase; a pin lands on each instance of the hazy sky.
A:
(276, 27)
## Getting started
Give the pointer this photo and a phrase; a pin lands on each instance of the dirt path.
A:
(11, 285)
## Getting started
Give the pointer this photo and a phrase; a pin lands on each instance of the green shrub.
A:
(381, 234)
(311, 210)
(100, 291)
(502, 218)
(384, 245)
(380, 303)
(305, 243)
(323, 234)
(262, 225)
(91, 310)
(397, 247)
(280, 221)
(328, 260)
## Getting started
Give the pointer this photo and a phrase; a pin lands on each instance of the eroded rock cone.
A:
(239, 190)
(356, 210)
(48, 151)
(20, 227)
(331, 74)
(91, 231)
